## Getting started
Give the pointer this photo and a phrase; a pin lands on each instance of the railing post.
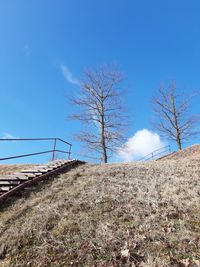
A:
(69, 152)
(54, 149)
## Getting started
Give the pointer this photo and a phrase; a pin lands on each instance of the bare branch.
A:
(101, 106)
(172, 113)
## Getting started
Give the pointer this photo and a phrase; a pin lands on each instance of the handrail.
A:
(27, 155)
(156, 153)
(55, 139)
(35, 139)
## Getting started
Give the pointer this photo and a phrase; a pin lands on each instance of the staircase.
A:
(11, 184)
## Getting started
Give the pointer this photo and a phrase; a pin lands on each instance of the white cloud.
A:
(27, 50)
(68, 75)
(139, 145)
(8, 136)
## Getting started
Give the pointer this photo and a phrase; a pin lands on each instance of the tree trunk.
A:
(178, 140)
(103, 143)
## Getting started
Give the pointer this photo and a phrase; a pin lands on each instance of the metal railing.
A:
(53, 151)
(157, 153)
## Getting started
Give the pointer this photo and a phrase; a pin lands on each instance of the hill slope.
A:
(136, 214)
(192, 152)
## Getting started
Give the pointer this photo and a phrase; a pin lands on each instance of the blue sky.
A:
(46, 45)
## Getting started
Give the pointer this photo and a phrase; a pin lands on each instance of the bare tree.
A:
(101, 111)
(174, 120)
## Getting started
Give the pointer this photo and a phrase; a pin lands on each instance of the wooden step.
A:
(56, 164)
(52, 166)
(14, 183)
(22, 175)
(44, 170)
(34, 173)
(30, 175)
(27, 178)
(4, 190)
(14, 179)
(26, 172)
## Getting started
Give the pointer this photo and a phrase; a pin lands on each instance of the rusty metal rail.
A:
(11, 184)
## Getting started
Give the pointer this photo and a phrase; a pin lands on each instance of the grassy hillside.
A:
(192, 152)
(137, 214)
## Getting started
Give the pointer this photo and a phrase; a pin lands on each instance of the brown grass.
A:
(136, 214)
(192, 152)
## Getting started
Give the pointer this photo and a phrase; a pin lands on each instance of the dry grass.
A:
(137, 214)
(192, 152)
